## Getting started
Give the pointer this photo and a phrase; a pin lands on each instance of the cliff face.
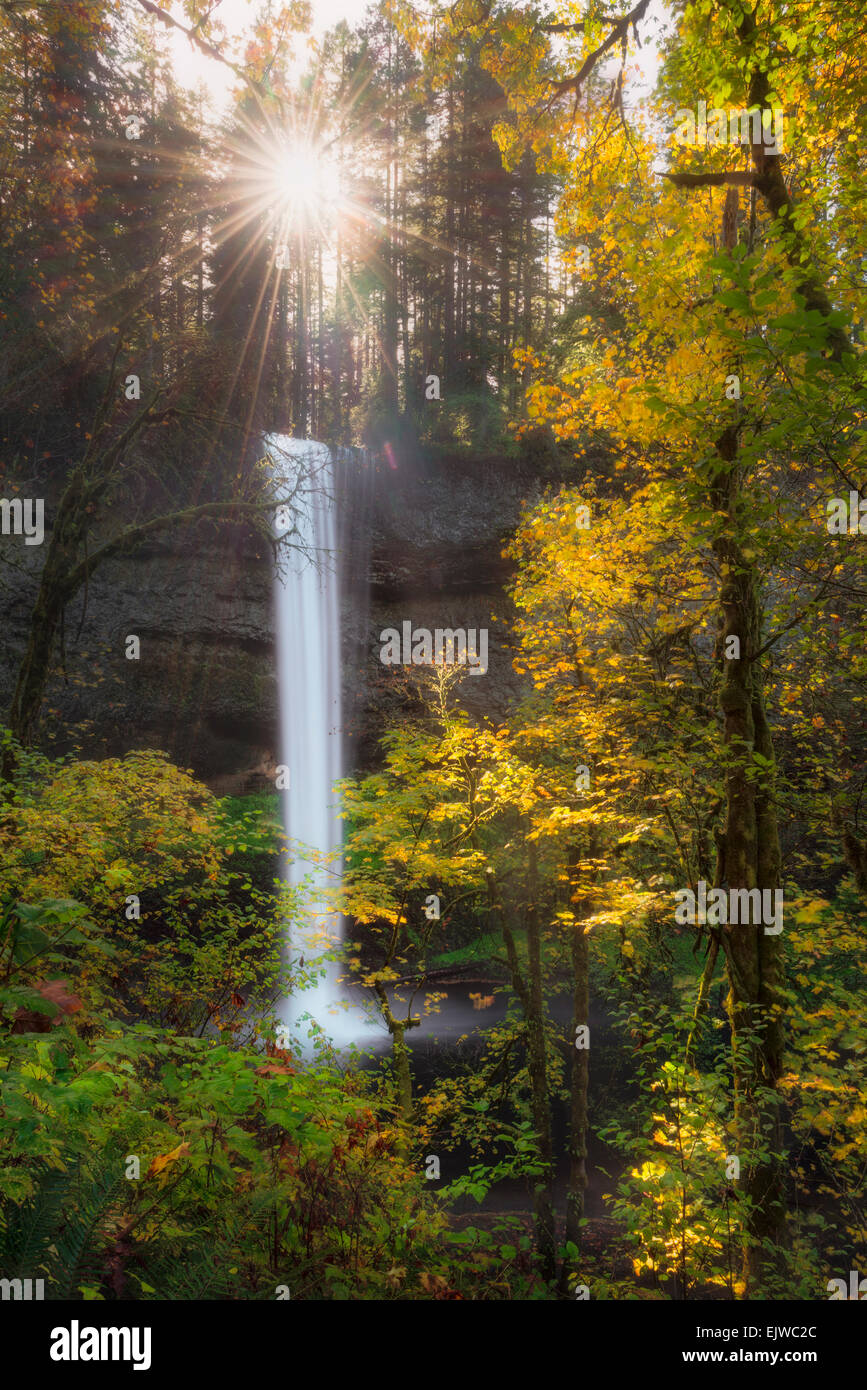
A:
(204, 688)
(420, 542)
(437, 531)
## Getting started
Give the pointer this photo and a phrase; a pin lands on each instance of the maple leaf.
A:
(163, 1160)
(55, 991)
(433, 1283)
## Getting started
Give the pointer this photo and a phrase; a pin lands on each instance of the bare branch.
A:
(618, 34)
(134, 535)
(577, 28)
(733, 177)
(767, 178)
(799, 616)
(208, 48)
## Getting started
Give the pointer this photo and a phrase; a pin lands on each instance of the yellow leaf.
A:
(163, 1160)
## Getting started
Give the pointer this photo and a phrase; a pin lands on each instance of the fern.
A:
(52, 1232)
(203, 1271)
(74, 1244)
(31, 1225)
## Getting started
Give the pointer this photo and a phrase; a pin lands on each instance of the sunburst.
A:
(286, 180)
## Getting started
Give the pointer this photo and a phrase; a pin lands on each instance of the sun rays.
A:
(284, 180)
(286, 213)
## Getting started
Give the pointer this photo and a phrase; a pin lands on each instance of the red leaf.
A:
(55, 991)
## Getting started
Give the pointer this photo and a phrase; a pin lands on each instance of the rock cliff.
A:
(420, 540)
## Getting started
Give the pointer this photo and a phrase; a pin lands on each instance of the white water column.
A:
(309, 681)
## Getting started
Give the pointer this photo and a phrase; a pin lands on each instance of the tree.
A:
(473, 813)
(138, 321)
(658, 392)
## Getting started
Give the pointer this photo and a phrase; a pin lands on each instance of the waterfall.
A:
(309, 683)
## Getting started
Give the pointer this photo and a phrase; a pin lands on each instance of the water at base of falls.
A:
(308, 672)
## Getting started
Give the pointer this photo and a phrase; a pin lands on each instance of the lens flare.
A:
(296, 181)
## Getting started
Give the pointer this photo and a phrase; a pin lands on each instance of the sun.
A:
(302, 181)
(285, 180)
(297, 174)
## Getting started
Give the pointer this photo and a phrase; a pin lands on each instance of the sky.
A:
(192, 66)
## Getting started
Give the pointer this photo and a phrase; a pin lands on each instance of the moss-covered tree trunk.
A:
(579, 1082)
(750, 858)
(400, 1053)
(579, 1066)
(55, 591)
(529, 991)
(537, 1065)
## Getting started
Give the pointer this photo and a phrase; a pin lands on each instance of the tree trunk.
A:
(62, 554)
(538, 1069)
(530, 996)
(579, 1079)
(749, 847)
(397, 1027)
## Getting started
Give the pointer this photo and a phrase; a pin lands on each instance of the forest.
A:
(433, 760)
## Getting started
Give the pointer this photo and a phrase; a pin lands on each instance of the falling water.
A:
(308, 669)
